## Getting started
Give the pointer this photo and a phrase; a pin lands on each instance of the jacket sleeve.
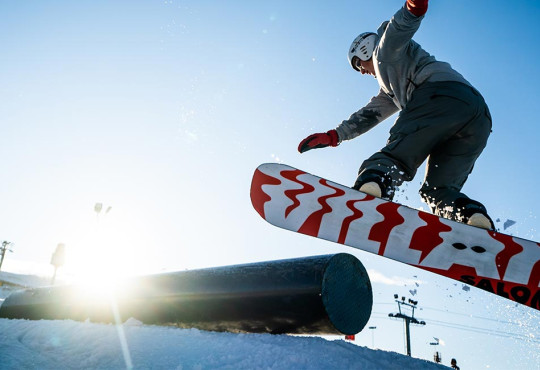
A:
(397, 35)
(379, 108)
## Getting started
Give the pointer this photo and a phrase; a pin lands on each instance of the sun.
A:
(106, 253)
(95, 267)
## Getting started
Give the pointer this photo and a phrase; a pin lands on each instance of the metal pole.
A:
(372, 328)
(3, 255)
(408, 335)
(54, 275)
(315, 295)
(4, 249)
(407, 319)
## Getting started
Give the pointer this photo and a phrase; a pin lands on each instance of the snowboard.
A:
(301, 202)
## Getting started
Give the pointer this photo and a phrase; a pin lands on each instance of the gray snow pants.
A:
(449, 124)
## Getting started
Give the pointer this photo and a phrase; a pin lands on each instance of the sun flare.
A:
(105, 254)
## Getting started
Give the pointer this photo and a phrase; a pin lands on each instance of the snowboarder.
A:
(443, 118)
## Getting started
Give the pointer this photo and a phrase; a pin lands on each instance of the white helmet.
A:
(362, 47)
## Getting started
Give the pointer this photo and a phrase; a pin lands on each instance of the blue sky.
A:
(163, 109)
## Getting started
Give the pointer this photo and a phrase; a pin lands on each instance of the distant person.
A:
(442, 118)
(453, 362)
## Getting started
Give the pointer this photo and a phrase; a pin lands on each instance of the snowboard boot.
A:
(374, 183)
(474, 213)
(371, 188)
(480, 220)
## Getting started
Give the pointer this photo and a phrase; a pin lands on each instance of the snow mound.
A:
(68, 344)
(26, 281)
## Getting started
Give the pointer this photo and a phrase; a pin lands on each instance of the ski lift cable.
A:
(473, 329)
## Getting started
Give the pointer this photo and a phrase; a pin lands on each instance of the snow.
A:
(58, 344)
(22, 280)
(49, 344)
(508, 223)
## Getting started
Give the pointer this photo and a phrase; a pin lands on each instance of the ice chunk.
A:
(508, 223)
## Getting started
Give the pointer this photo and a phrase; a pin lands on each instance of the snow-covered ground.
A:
(68, 344)
(47, 344)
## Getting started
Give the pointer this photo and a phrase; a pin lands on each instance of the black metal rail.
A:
(328, 294)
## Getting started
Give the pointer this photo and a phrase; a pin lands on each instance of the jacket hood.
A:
(382, 28)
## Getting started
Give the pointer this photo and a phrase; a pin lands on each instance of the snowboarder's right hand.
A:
(417, 7)
(320, 140)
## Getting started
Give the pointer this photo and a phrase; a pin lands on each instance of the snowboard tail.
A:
(301, 202)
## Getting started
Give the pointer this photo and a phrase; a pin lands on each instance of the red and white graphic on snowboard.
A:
(298, 201)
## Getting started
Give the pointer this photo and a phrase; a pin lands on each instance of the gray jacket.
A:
(401, 65)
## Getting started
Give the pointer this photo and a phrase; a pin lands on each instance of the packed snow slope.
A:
(65, 344)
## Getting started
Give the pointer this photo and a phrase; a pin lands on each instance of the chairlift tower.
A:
(5, 247)
(408, 320)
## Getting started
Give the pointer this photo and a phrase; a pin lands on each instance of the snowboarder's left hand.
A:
(319, 140)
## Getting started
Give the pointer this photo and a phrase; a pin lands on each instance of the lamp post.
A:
(372, 328)
(98, 207)
(100, 238)
(58, 259)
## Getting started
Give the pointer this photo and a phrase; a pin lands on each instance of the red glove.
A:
(320, 140)
(417, 7)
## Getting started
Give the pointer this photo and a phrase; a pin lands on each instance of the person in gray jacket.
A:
(442, 118)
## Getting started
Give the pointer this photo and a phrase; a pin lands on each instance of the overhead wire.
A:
(473, 329)
(517, 323)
